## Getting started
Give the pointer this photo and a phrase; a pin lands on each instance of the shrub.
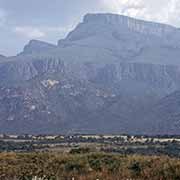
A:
(135, 167)
(80, 151)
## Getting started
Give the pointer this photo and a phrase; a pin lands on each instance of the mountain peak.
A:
(37, 46)
(2, 57)
(39, 42)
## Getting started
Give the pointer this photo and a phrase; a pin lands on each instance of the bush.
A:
(136, 168)
(80, 151)
(98, 162)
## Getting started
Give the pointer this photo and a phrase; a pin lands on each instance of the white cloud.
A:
(38, 32)
(166, 11)
(29, 32)
(174, 12)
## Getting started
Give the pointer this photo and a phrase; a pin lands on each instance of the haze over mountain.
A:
(106, 76)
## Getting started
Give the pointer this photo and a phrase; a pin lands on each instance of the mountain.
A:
(106, 76)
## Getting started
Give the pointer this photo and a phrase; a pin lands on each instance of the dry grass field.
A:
(87, 166)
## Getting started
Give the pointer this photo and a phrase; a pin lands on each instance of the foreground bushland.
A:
(82, 166)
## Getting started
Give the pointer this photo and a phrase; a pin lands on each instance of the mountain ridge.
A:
(159, 28)
(111, 41)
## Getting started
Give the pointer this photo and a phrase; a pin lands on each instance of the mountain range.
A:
(111, 74)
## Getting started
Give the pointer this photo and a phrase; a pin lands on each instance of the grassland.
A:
(84, 165)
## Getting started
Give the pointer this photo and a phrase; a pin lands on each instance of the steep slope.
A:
(59, 97)
(164, 116)
(104, 77)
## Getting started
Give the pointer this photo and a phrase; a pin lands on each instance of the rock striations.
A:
(123, 22)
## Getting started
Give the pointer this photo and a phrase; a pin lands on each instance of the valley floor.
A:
(89, 157)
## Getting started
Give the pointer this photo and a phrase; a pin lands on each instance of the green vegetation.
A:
(171, 149)
(90, 166)
(13, 146)
(81, 146)
(80, 151)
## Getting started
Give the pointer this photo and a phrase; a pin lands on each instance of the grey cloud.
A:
(2, 17)
(39, 32)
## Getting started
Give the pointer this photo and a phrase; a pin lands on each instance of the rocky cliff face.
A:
(103, 77)
(124, 22)
(163, 77)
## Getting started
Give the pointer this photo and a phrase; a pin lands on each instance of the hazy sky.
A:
(50, 20)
